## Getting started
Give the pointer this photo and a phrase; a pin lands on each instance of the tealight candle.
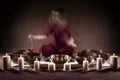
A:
(67, 66)
(114, 61)
(6, 62)
(51, 66)
(99, 63)
(21, 62)
(85, 64)
(36, 65)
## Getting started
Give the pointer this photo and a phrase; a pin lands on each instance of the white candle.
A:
(67, 66)
(85, 64)
(51, 66)
(99, 63)
(21, 62)
(6, 62)
(36, 65)
(114, 61)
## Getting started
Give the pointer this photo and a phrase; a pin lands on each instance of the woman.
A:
(62, 41)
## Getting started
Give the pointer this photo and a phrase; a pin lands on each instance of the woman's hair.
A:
(61, 11)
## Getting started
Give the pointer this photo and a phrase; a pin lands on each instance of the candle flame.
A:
(85, 58)
(36, 59)
(21, 55)
(6, 54)
(113, 54)
(108, 54)
(99, 56)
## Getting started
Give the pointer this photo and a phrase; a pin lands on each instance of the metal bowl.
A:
(90, 55)
(28, 55)
(59, 58)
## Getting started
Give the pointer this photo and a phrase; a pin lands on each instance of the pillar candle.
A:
(21, 62)
(114, 61)
(99, 63)
(51, 66)
(67, 66)
(36, 65)
(85, 64)
(6, 62)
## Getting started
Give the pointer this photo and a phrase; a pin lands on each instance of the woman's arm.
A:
(38, 37)
(47, 31)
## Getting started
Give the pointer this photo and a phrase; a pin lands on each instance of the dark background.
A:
(94, 23)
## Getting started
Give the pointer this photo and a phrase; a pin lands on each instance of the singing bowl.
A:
(59, 58)
(90, 54)
(28, 55)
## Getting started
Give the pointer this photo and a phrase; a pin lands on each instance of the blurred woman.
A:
(62, 41)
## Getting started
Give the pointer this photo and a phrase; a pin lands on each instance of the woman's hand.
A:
(31, 36)
(70, 42)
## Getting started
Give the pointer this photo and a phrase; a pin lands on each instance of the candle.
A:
(114, 61)
(67, 66)
(21, 62)
(99, 63)
(36, 65)
(6, 62)
(85, 64)
(51, 66)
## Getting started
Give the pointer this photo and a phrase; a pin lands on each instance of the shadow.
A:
(1, 70)
(109, 70)
(31, 71)
(76, 70)
(93, 70)
(13, 71)
(105, 70)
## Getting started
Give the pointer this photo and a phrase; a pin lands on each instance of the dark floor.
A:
(44, 75)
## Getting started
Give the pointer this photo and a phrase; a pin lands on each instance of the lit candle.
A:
(51, 66)
(99, 63)
(114, 61)
(6, 62)
(36, 65)
(67, 66)
(21, 62)
(85, 64)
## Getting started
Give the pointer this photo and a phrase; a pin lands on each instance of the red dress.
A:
(58, 43)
